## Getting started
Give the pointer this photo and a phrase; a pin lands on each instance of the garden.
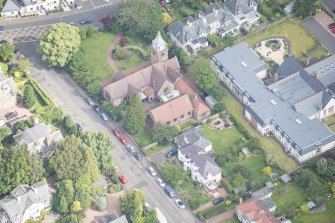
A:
(274, 49)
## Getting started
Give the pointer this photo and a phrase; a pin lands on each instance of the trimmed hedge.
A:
(41, 93)
(212, 211)
(227, 185)
(240, 127)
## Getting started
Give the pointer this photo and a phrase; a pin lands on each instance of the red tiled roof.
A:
(256, 212)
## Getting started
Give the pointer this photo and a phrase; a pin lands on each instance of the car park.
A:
(130, 148)
(104, 116)
(152, 171)
(172, 153)
(97, 109)
(137, 155)
(90, 101)
(160, 182)
(85, 21)
(218, 200)
(11, 115)
(180, 204)
(123, 179)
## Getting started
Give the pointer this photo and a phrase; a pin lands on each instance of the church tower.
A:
(159, 50)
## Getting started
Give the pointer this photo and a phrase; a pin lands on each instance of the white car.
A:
(152, 171)
(146, 206)
(160, 182)
(180, 204)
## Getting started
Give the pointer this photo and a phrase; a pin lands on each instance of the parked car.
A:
(331, 25)
(2, 28)
(131, 148)
(11, 115)
(79, 127)
(72, 23)
(218, 200)
(160, 182)
(85, 21)
(146, 206)
(97, 109)
(152, 171)
(104, 116)
(169, 191)
(180, 204)
(172, 153)
(333, 30)
(123, 140)
(116, 133)
(90, 101)
(123, 179)
(137, 155)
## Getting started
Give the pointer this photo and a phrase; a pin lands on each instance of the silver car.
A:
(104, 116)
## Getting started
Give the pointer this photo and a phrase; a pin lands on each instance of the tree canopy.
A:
(59, 43)
(132, 204)
(304, 8)
(141, 18)
(6, 51)
(135, 119)
(18, 166)
(29, 96)
(164, 133)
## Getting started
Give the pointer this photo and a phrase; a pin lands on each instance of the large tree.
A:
(202, 73)
(6, 51)
(164, 133)
(132, 204)
(18, 166)
(135, 119)
(59, 43)
(141, 17)
(304, 8)
(101, 145)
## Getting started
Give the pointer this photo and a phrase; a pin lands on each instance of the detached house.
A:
(13, 8)
(8, 92)
(25, 203)
(244, 11)
(39, 139)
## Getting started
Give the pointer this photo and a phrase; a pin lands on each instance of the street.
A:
(71, 98)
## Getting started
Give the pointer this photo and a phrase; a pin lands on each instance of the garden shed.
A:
(285, 178)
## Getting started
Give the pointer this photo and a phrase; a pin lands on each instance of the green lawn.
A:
(132, 61)
(294, 195)
(332, 127)
(270, 146)
(300, 39)
(223, 139)
(95, 49)
(252, 163)
(328, 216)
(154, 150)
(231, 220)
(187, 124)
(144, 138)
(319, 53)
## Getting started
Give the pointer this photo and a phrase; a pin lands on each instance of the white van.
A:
(152, 171)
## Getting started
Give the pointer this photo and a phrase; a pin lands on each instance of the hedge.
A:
(240, 127)
(212, 211)
(41, 93)
(227, 185)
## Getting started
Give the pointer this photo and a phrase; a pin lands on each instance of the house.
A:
(192, 35)
(25, 203)
(151, 82)
(254, 210)
(121, 219)
(301, 137)
(193, 136)
(244, 11)
(210, 101)
(39, 139)
(285, 178)
(203, 167)
(263, 193)
(8, 92)
(13, 8)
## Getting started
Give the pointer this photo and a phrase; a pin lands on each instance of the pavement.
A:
(71, 98)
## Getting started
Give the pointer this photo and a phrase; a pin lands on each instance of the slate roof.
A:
(288, 67)
(237, 6)
(268, 203)
(306, 134)
(11, 6)
(121, 219)
(22, 197)
(285, 178)
(34, 134)
(158, 44)
(193, 136)
(206, 164)
(262, 192)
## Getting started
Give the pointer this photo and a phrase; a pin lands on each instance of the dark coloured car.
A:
(172, 153)
(90, 101)
(218, 200)
(11, 115)
(2, 28)
(79, 127)
(85, 21)
(97, 109)
(137, 155)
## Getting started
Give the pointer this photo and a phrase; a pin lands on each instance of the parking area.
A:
(160, 157)
(21, 111)
(318, 26)
(27, 34)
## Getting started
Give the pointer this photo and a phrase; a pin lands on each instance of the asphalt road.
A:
(70, 97)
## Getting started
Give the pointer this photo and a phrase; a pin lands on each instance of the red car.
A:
(331, 25)
(123, 179)
(333, 30)
(116, 133)
(121, 137)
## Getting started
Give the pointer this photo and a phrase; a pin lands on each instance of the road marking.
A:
(92, 3)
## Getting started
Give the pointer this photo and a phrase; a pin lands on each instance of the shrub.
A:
(210, 212)
(29, 96)
(120, 53)
(304, 209)
(226, 184)
(22, 125)
(240, 127)
(101, 203)
(41, 93)
(123, 41)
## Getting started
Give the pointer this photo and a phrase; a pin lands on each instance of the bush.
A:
(240, 127)
(212, 211)
(41, 93)
(29, 96)
(22, 125)
(123, 41)
(101, 203)
(89, 31)
(115, 188)
(227, 185)
(304, 209)
(120, 53)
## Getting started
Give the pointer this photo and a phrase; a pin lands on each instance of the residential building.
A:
(8, 92)
(121, 219)
(25, 203)
(13, 8)
(192, 36)
(301, 137)
(193, 136)
(39, 139)
(244, 11)
(254, 210)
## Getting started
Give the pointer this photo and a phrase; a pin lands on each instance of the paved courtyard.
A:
(278, 55)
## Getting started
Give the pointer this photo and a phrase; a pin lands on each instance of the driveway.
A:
(160, 157)
(70, 97)
(317, 26)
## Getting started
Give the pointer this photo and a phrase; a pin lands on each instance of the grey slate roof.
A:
(121, 219)
(34, 134)
(262, 192)
(237, 6)
(158, 44)
(22, 197)
(268, 203)
(192, 136)
(285, 178)
(11, 6)
(288, 67)
(204, 162)
(307, 136)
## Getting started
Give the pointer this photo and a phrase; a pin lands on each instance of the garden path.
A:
(221, 217)
(110, 59)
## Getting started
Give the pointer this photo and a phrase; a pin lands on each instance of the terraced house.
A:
(302, 138)
(14, 8)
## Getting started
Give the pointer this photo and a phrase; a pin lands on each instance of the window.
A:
(175, 120)
(182, 116)
(189, 113)
(168, 123)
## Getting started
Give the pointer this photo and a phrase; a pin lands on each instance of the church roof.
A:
(158, 44)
